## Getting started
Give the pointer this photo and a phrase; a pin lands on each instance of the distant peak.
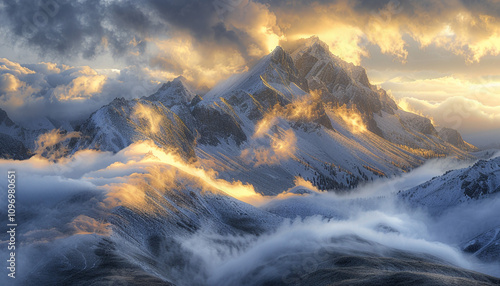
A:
(4, 118)
(180, 79)
(312, 41)
(176, 91)
(277, 50)
(278, 53)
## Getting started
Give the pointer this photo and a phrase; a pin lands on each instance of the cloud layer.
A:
(29, 92)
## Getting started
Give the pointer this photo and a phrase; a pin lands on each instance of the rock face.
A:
(11, 148)
(453, 137)
(419, 123)
(339, 82)
(215, 125)
(5, 120)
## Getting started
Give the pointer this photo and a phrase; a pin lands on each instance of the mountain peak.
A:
(277, 51)
(180, 80)
(315, 41)
(174, 92)
(5, 119)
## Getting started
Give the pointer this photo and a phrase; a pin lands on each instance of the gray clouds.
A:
(88, 28)
(63, 93)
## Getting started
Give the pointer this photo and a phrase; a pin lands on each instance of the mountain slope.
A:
(472, 193)
(485, 246)
(478, 182)
(172, 93)
(122, 122)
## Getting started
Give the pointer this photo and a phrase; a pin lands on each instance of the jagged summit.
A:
(313, 47)
(173, 93)
(276, 72)
(5, 119)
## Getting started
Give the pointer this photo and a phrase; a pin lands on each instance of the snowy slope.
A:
(457, 187)
(172, 93)
(485, 246)
(122, 122)
(471, 194)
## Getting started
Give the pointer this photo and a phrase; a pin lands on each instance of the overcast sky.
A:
(66, 58)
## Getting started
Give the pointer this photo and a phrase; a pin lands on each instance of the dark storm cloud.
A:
(87, 28)
(71, 28)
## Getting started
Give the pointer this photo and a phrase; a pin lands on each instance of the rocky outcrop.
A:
(11, 148)
(453, 137)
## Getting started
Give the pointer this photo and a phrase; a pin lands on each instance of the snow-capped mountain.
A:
(301, 113)
(471, 192)
(172, 93)
(478, 182)
(300, 121)
(328, 104)
(16, 142)
(122, 122)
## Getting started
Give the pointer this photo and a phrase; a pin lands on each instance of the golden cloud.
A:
(9, 83)
(48, 144)
(82, 87)
(349, 30)
(12, 67)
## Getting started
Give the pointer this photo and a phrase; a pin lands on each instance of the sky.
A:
(64, 59)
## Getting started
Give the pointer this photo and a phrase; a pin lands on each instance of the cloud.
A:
(9, 83)
(467, 29)
(201, 33)
(229, 41)
(205, 37)
(51, 144)
(274, 140)
(30, 92)
(81, 87)
(271, 149)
